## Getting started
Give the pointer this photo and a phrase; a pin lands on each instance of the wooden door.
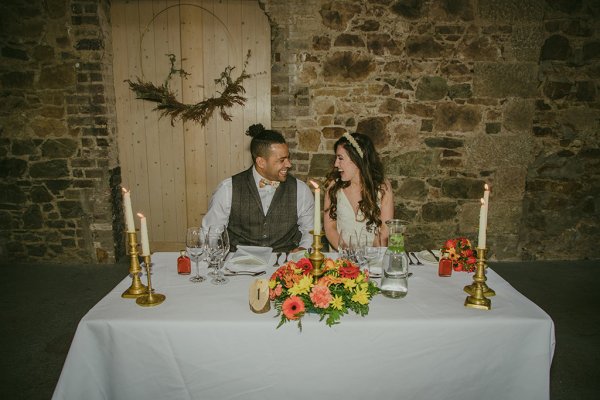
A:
(173, 170)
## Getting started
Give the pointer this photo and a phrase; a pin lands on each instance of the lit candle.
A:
(144, 234)
(486, 197)
(482, 225)
(317, 227)
(128, 211)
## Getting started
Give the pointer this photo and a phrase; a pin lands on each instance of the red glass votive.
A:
(445, 268)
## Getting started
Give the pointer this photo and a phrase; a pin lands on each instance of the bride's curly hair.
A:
(372, 179)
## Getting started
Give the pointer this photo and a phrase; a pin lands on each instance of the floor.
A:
(42, 304)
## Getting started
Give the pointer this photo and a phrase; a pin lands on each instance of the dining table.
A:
(205, 342)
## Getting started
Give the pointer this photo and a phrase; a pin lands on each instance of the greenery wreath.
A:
(201, 112)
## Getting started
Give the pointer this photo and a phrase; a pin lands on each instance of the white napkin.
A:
(426, 257)
(251, 258)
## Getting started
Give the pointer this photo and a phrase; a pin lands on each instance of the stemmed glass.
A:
(217, 247)
(195, 243)
(347, 245)
(369, 244)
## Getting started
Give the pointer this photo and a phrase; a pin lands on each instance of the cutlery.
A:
(433, 254)
(249, 273)
(410, 261)
(417, 258)
(277, 259)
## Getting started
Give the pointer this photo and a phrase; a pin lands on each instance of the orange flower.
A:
(320, 296)
(293, 307)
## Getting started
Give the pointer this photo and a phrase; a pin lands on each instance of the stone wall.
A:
(454, 93)
(58, 159)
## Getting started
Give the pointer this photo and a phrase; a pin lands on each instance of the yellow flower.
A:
(337, 302)
(360, 278)
(349, 284)
(302, 287)
(272, 283)
(361, 296)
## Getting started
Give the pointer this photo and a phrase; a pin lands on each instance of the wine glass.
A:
(347, 244)
(195, 243)
(370, 243)
(217, 247)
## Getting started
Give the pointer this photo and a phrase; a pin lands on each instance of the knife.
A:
(433, 254)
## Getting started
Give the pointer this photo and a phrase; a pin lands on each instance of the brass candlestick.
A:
(477, 299)
(150, 299)
(316, 257)
(487, 291)
(136, 289)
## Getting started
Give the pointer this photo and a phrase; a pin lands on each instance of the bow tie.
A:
(264, 182)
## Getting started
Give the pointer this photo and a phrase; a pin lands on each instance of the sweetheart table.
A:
(203, 342)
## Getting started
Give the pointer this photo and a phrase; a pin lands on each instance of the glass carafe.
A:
(394, 280)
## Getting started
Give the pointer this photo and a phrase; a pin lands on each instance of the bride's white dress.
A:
(347, 221)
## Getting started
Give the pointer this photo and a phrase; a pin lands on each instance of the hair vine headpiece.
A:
(354, 144)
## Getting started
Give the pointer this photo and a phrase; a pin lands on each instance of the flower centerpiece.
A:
(342, 287)
(460, 252)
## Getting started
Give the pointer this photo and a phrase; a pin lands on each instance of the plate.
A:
(426, 256)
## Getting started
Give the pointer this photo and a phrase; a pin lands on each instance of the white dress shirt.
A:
(219, 207)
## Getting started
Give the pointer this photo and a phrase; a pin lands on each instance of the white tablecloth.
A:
(203, 342)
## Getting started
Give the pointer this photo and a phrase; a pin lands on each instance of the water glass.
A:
(195, 243)
(217, 248)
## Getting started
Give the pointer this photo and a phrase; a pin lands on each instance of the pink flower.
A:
(293, 307)
(320, 296)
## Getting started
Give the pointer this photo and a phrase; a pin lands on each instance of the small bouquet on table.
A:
(457, 255)
(342, 287)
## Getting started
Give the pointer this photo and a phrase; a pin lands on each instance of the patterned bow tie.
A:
(264, 182)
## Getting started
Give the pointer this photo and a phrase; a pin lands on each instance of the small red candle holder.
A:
(445, 267)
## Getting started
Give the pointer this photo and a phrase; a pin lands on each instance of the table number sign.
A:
(258, 296)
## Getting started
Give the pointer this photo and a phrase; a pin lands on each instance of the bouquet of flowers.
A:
(342, 287)
(461, 253)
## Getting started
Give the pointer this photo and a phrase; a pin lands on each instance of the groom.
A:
(264, 205)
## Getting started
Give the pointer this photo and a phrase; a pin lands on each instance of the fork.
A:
(249, 273)
(410, 261)
(417, 258)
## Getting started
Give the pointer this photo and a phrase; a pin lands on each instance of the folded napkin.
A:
(426, 257)
(251, 258)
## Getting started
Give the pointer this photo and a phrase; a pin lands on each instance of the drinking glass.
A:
(195, 243)
(218, 247)
(370, 244)
(347, 244)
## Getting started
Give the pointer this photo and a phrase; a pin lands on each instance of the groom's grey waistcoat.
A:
(249, 226)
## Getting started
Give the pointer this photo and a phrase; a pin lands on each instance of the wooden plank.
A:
(193, 91)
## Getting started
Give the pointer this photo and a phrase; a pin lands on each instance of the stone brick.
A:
(333, 132)
(424, 47)
(526, 42)
(480, 49)
(410, 164)
(460, 91)
(500, 80)
(419, 109)
(556, 47)
(12, 167)
(309, 140)
(43, 127)
(89, 44)
(492, 128)
(39, 194)
(462, 188)
(391, 106)
(70, 209)
(518, 115)
(337, 14)
(57, 77)
(321, 43)
(452, 9)
(376, 129)
(410, 9)
(585, 91)
(413, 189)
(431, 88)
(438, 211)
(321, 165)
(347, 66)
(443, 142)
(11, 194)
(43, 53)
(17, 80)
(17, 54)
(511, 10)
(32, 217)
(452, 117)
(49, 169)
(369, 25)
(59, 148)
(348, 40)
(591, 51)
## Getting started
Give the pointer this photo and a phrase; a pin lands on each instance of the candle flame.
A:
(482, 202)
(124, 190)
(315, 184)
(140, 215)
(486, 187)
